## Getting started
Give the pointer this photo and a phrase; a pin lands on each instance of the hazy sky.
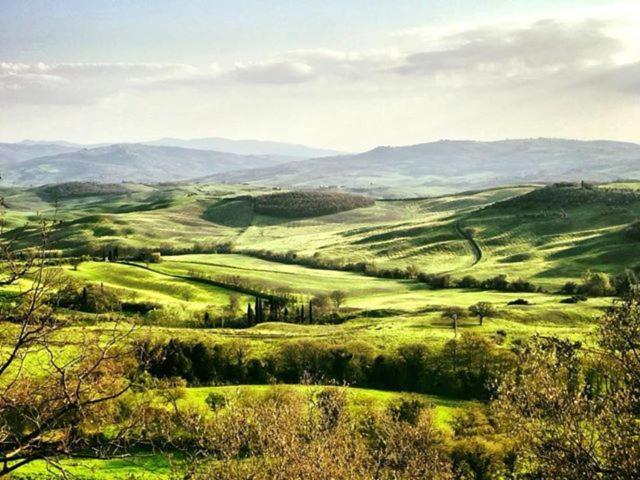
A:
(342, 74)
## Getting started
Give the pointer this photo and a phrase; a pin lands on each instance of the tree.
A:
(338, 297)
(574, 412)
(258, 311)
(186, 293)
(75, 262)
(250, 315)
(454, 314)
(57, 412)
(321, 304)
(207, 321)
(232, 309)
(482, 310)
(412, 271)
(596, 284)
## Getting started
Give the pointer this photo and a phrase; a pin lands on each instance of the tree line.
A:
(466, 367)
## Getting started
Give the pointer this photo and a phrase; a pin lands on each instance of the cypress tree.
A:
(301, 319)
(310, 312)
(249, 315)
(85, 297)
(259, 311)
(256, 310)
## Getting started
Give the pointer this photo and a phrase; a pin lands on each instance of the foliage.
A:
(60, 410)
(574, 413)
(61, 191)
(482, 310)
(464, 368)
(279, 438)
(308, 203)
(596, 284)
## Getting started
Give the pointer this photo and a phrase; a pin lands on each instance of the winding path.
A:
(475, 248)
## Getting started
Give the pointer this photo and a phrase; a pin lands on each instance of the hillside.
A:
(130, 162)
(546, 235)
(449, 166)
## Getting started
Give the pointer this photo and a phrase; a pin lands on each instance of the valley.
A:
(189, 266)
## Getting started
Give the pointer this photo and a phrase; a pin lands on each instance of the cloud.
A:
(623, 79)
(548, 52)
(543, 47)
(273, 72)
(78, 83)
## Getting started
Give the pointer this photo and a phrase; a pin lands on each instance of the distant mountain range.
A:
(425, 169)
(247, 147)
(11, 153)
(448, 166)
(130, 162)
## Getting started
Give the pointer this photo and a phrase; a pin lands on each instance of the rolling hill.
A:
(450, 166)
(546, 235)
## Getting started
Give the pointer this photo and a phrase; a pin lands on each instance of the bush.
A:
(406, 410)
(468, 281)
(574, 299)
(596, 284)
(519, 301)
(569, 288)
(216, 401)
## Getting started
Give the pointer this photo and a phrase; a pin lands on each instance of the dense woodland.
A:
(466, 368)
(62, 191)
(312, 203)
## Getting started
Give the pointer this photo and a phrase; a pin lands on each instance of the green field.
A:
(386, 312)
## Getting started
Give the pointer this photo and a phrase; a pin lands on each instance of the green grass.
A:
(145, 285)
(141, 466)
(385, 313)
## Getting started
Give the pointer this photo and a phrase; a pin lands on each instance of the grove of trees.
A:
(309, 203)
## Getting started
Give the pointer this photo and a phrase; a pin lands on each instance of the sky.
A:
(348, 75)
